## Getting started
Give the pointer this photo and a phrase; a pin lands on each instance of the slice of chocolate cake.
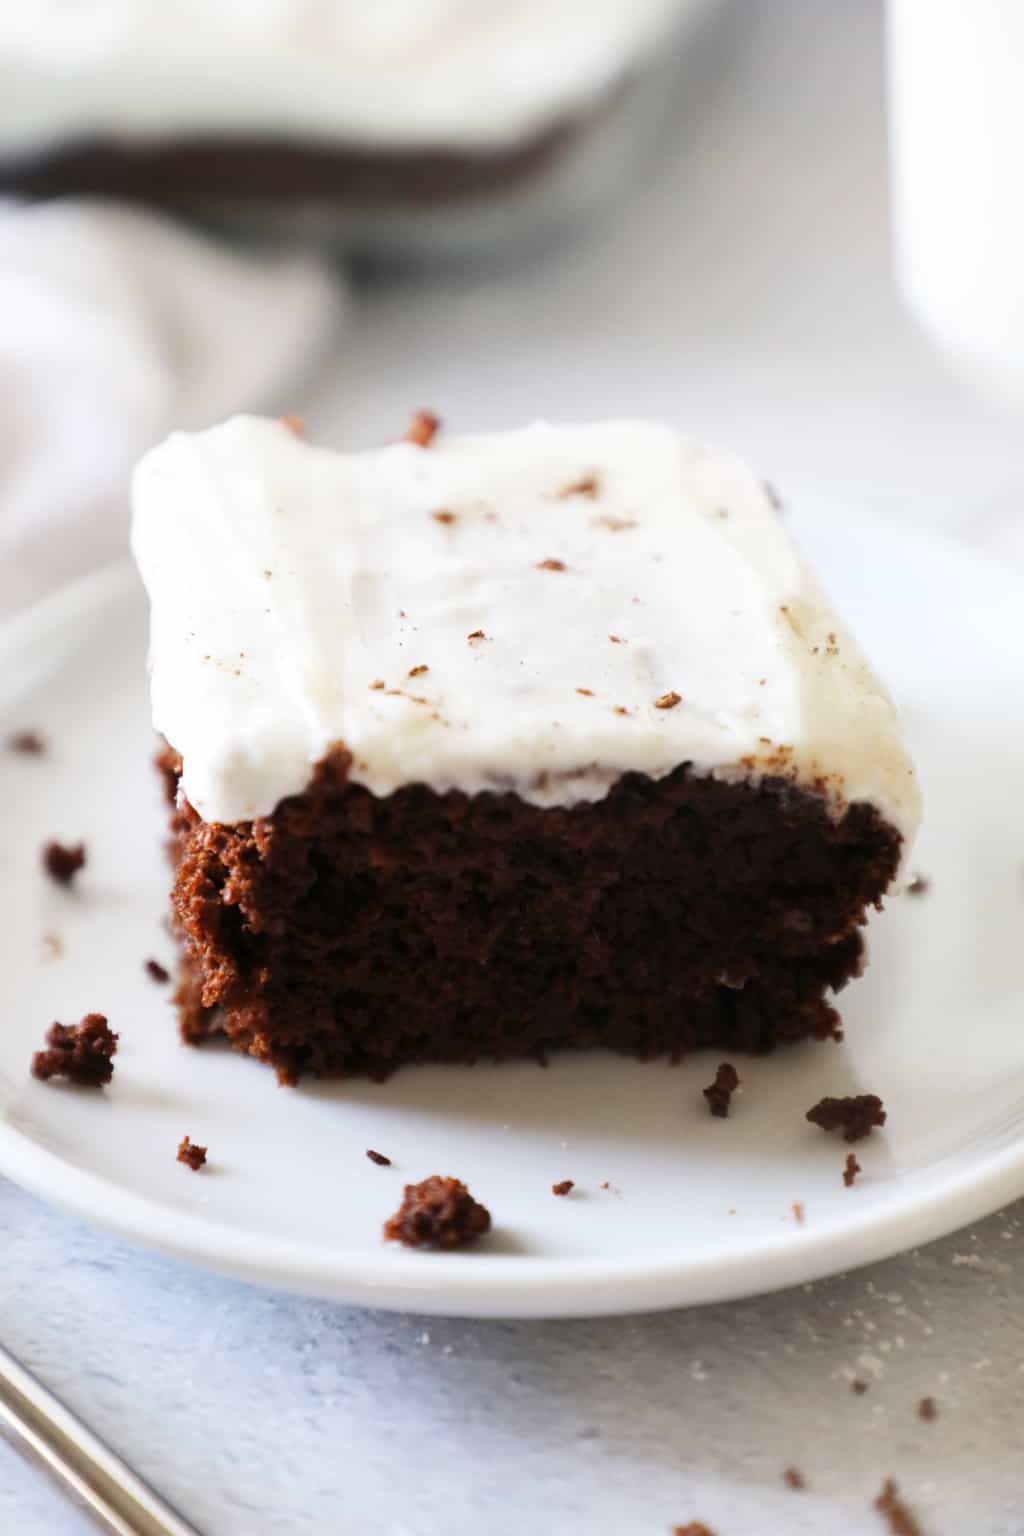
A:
(505, 744)
(340, 117)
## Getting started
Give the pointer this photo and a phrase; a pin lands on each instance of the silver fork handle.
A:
(42, 1429)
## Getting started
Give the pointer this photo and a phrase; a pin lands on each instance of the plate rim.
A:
(482, 1284)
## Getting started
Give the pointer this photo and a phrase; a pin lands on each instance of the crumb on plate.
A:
(83, 1053)
(437, 1213)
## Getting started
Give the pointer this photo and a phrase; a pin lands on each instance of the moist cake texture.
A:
(505, 744)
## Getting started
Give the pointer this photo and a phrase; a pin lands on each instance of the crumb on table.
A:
(27, 743)
(720, 1092)
(794, 1478)
(157, 972)
(63, 861)
(378, 1158)
(191, 1154)
(437, 1213)
(928, 1409)
(919, 886)
(856, 1115)
(564, 1187)
(83, 1053)
(695, 1528)
(851, 1168)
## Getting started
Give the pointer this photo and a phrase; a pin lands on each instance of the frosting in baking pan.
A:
(461, 73)
(539, 610)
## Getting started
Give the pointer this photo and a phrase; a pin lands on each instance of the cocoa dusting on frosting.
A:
(899, 1516)
(586, 485)
(423, 428)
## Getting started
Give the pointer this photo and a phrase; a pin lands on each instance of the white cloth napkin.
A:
(116, 326)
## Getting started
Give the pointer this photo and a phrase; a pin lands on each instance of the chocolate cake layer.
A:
(349, 933)
(275, 171)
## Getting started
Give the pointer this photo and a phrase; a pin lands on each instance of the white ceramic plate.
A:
(696, 1209)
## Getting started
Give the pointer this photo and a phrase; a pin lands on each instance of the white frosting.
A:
(391, 72)
(286, 581)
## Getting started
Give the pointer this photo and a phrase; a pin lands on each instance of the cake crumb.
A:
(418, 671)
(856, 1115)
(901, 1520)
(851, 1169)
(668, 700)
(551, 565)
(616, 525)
(858, 1387)
(586, 485)
(919, 886)
(588, 693)
(720, 1092)
(695, 1528)
(157, 972)
(80, 1052)
(564, 1187)
(63, 861)
(437, 1213)
(443, 516)
(794, 1478)
(423, 428)
(54, 945)
(798, 1212)
(295, 424)
(377, 684)
(928, 1410)
(191, 1154)
(476, 634)
(27, 743)
(378, 1158)
(616, 640)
